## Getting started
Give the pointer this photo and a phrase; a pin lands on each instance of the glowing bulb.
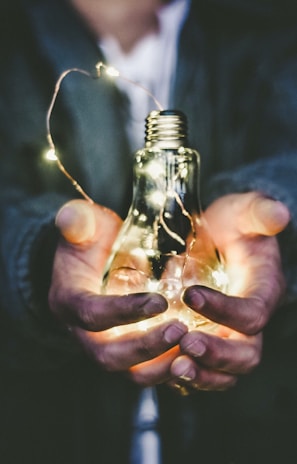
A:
(142, 218)
(155, 170)
(177, 250)
(183, 172)
(157, 199)
(50, 155)
(137, 252)
(220, 277)
(110, 71)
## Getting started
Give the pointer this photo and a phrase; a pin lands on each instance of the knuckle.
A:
(151, 344)
(145, 350)
(249, 359)
(254, 359)
(255, 324)
(103, 360)
(100, 358)
(86, 316)
(57, 304)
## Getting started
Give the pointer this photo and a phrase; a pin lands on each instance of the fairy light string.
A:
(51, 154)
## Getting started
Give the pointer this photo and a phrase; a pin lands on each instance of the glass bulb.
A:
(164, 245)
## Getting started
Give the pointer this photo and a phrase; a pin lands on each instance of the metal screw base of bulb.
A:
(166, 129)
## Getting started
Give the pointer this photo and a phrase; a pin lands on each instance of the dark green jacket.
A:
(236, 80)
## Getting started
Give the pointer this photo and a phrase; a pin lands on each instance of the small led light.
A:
(220, 278)
(142, 217)
(50, 155)
(157, 198)
(110, 71)
(155, 170)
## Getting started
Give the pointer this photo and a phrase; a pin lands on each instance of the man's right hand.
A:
(87, 234)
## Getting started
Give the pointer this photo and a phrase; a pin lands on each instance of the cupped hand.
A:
(87, 234)
(244, 228)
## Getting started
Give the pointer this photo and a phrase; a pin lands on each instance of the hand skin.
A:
(87, 233)
(243, 227)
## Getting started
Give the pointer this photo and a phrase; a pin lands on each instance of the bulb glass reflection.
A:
(164, 245)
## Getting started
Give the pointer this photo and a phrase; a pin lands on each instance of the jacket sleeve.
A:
(269, 159)
(272, 165)
(29, 335)
(30, 194)
(88, 133)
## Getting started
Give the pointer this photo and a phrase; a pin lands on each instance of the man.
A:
(66, 380)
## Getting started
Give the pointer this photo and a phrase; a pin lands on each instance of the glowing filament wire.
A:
(52, 155)
(110, 71)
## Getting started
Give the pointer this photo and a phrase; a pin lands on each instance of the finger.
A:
(263, 216)
(79, 222)
(197, 377)
(76, 221)
(155, 371)
(237, 354)
(247, 315)
(119, 353)
(95, 312)
(247, 214)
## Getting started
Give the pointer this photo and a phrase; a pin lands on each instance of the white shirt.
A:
(151, 63)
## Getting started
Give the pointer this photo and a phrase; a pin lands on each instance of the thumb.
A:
(264, 216)
(82, 222)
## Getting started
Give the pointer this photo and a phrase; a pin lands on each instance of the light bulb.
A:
(164, 245)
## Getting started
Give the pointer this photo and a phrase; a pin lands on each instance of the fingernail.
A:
(196, 348)
(193, 298)
(273, 215)
(76, 221)
(183, 369)
(174, 332)
(154, 303)
(65, 214)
